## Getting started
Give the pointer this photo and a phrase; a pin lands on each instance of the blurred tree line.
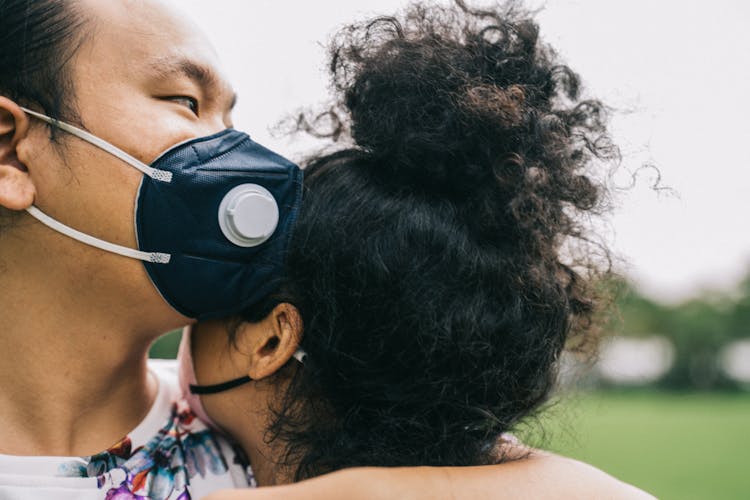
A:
(698, 328)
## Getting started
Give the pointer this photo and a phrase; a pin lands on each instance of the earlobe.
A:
(17, 191)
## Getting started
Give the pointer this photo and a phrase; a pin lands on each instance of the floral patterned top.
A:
(171, 455)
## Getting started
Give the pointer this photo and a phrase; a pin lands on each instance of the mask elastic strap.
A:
(154, 173)
(201, 390)
(154, 257)
(216, 388)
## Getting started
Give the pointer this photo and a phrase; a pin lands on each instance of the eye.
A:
(189, 102)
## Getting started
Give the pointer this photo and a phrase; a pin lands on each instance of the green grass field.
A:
(675, 446)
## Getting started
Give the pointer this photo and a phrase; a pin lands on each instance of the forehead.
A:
(135, 38)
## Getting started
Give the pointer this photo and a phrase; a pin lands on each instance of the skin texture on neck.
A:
(250, 422)
(73, 377)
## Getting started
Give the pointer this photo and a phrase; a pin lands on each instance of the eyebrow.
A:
(203, 76)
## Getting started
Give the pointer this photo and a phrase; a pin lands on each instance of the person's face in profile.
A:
(143, 79)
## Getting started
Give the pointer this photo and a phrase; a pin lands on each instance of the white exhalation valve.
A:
(248, 215)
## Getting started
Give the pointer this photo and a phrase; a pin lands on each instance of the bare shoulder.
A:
(548, 475)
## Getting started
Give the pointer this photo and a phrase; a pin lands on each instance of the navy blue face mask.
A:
(213, 219)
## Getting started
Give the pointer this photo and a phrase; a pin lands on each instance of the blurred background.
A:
(667, 405)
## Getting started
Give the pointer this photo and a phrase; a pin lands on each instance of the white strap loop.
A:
(154, 257)
(154, 173)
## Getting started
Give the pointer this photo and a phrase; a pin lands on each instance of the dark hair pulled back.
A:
(434, 259)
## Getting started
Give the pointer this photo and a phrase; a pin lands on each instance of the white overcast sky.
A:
(678, 69)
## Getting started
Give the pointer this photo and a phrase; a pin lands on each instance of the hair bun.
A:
(446, 94)
(466, 102)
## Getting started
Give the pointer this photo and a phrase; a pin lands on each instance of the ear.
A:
(274, 341)
(17, 191)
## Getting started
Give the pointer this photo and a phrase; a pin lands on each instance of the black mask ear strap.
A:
(224, 386)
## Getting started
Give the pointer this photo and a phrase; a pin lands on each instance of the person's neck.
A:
(265, 461)
(73, 372)
(250, 430)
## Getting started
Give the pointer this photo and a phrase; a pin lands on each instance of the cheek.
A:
(83, 187)
(217, 407)
(93, 191)
(222, 408)
(235, 413)
(103, 193)
(215, 361)
(146, 127)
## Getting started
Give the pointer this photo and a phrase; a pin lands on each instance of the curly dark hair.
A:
(432, 261)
